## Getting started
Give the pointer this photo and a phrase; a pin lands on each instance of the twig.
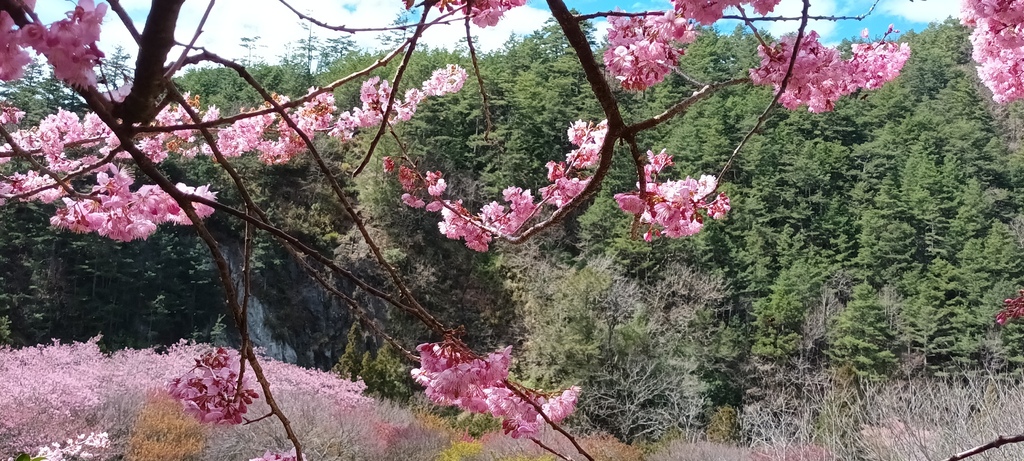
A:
(191, 44)
(775, 99)
(287, 105)
(681, 106)
(550, 450)
(353, 30)
(998, 442)
(536, 406)
(418, 310)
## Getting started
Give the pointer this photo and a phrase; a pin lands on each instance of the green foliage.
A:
(349, 365)
(861, 337)
(5, 330)
(781, 314)
(385, 375)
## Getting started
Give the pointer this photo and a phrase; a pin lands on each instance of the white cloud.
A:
(277, 27)
(794, 8)
(922, 11)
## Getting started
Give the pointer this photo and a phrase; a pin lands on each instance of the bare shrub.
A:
(682, 450)
(928, 420)
(641, 398)
(371, 431)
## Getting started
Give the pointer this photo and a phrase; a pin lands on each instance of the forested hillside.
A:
(875, 241)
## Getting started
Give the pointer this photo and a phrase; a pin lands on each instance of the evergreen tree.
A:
(349, 365)
(860, 337)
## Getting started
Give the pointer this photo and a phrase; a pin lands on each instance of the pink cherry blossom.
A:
(274, 456)
(453, 375)
(820, 76)
(708, 11)
(673, 208)
(210, 391)
(643, 50)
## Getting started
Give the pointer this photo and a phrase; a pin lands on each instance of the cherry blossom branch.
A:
(778, 94)
(609, 105)
(302, 248)
(261, 418)
(683, 105)
(418, 310)
(998, 442)
(859, 17)
(357, 311)
(155, 43)
(516, 389)
(289, 243)
(625, 14)
(68, 177)
(223, 269)
(246, 293)
(550, 450)
(479, 80)
(239, 314)
(287, 105)
(16, 148)
(16, 10)
(29, 152)
(191, 44)
(395, 82)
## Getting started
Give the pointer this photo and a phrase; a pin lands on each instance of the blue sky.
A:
(231, 20)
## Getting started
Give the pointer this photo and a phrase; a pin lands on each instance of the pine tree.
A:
(781, 315)
(349, 365)
(860, 336)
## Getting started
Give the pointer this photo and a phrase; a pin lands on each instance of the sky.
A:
(276, 27)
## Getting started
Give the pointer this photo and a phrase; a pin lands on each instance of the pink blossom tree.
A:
(117, 189)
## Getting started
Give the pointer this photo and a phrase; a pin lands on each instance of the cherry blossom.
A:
(673, 208)
(998, 39)
(643, 50)
(273, 456)
(820, 76)
(210, 391)
(1013, 308)
(453, 375)
(708, 11)
(568, 179)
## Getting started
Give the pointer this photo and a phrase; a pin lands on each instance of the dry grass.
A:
(604, 447)
(163, 432)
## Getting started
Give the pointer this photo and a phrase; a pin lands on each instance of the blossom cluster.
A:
(672, 208)
(708, 11)
(821, 76)
(113, 210)
(77, 448)
(453, 375)
(211, 392)
(642, 50)
(69, 44)
(568, 179)
(483, 13)
(998, 39)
